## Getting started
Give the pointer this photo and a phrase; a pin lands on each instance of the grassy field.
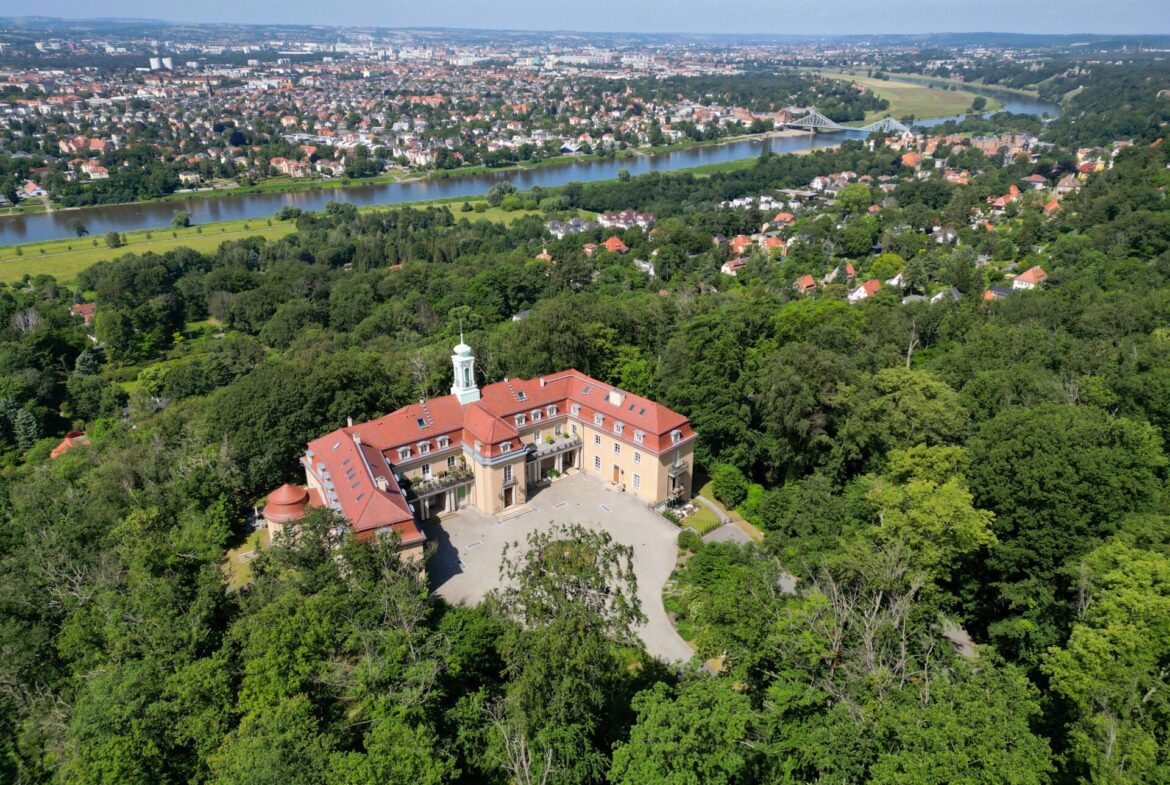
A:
(915, 99)
(64, 259)
(977, 83)
(237, 566)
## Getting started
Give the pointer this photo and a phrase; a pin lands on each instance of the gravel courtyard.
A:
(469, 547)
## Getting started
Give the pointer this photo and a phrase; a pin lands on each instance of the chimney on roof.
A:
(542, 381)
(382, 484)
(357, 438)
(348, 422)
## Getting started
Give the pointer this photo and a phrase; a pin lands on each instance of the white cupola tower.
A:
(464, 387)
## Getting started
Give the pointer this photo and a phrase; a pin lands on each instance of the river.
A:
(155, 215)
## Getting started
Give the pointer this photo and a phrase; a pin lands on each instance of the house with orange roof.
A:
(774, 245)
(739, 244)
(489, 449)
(71, 440)
(1031, 278)
(1052, 208)
(85, 310)
(615, 245)
(865, 291)
(805, 284)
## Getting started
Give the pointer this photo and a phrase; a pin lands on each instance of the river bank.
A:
(66, 257)
(211, 208)
(284, 184)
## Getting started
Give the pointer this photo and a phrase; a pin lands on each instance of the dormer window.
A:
(506, 447)
(575, 409)
(444, 442)
(551, 409)
(478, 445)
(618, 427)
(675, 436)
(598, 419)
(424, 448)
(535, 415)
(403, 453)
(639, 436)
(519, 419)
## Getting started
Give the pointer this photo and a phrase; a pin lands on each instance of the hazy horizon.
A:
(821, 18)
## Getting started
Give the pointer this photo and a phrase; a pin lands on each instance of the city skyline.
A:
(832, 17)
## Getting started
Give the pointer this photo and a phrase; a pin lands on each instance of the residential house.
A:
(733, 266)
(866, 290)
(805, 284)
(71, 440)
(615, 245)
(1030, 278)
(85, 311)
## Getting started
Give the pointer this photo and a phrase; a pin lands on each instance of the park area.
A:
(64, 259)
(920, 100)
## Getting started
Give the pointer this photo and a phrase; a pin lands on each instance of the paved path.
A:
(722, 516)
(466, 564)
(728, 532)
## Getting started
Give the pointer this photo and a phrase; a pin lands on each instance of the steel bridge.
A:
(814, 120)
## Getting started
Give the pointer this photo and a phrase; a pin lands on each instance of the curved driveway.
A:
(467, 562)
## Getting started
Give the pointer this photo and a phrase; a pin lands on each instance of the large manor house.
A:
(489, 449)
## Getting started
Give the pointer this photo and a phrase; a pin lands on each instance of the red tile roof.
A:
(357, 459)
(1033, 275)
(71, 440)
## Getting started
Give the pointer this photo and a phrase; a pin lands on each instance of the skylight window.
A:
(522, 395)
(421, 422)
(586, 389)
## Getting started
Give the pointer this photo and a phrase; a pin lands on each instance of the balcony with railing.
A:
(557, 444)
(447, 479)
(678, 470)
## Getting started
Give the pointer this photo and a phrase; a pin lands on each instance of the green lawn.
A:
(237, 563)
(64, 259)
(702, 521)
(921, 101)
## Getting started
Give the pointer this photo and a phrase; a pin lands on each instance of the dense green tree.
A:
(700, 733)
(1112, 672)
(1059, 479)
(899, 408)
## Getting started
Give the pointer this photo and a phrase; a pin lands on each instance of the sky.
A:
(810, 17)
